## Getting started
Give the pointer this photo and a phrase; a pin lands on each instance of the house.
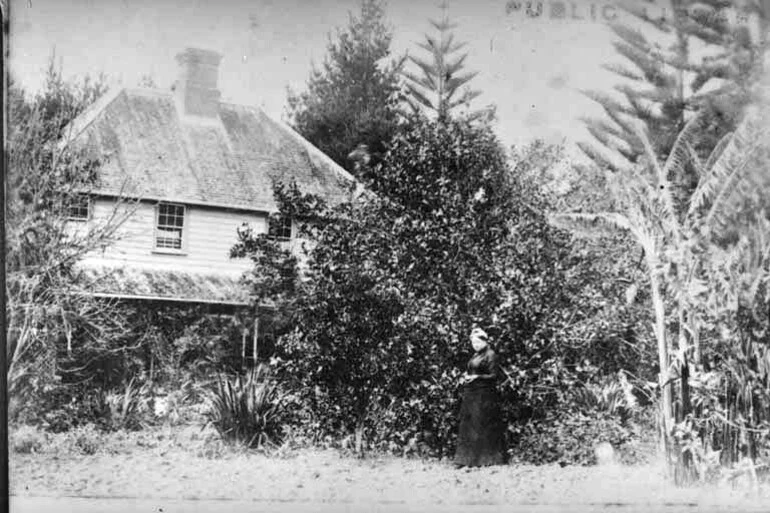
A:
(196, 169)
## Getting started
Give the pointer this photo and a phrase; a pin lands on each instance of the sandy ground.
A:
(186, 465)
(101, 505)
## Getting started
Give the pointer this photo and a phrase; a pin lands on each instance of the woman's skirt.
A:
(480, 440)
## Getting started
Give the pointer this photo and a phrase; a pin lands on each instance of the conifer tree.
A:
(708, 65)
(351, 101)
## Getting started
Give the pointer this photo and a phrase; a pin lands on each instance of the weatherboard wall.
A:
(208, 235)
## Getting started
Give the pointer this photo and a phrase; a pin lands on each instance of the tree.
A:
(438, 87)
(677, 246)
(47, 313)
(451, 237)
(351, 101)
(709, 64)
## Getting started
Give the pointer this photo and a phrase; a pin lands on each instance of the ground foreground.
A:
(164, 467)
(102, 505)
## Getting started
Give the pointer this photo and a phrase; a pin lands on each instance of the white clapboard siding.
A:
(208, 235)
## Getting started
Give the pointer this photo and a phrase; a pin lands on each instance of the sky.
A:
(531, 67)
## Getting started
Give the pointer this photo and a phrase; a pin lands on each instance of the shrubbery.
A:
(567, 438)
(376, 332)
(246, 409)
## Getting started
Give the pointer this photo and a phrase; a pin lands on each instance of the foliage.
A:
(438, 87)
(350, 102)
(693, 60)
(613, 396)
(87, 439)
(26, 439)
(124, 380)
(604, 409)
(729, 394)
(48, 316)
(681, 229)
(125, 407)
(569, 438)
(451, 236)
(246, 408)
(208, 344)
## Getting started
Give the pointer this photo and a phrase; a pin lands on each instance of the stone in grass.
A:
(605, 454)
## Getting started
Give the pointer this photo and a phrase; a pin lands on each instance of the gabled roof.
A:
(148, 150)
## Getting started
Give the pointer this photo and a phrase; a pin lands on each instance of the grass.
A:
(187, 462)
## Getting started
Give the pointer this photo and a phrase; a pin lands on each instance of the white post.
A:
(256, 338)
(243, 347)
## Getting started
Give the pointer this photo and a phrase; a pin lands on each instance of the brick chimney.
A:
(196, 89)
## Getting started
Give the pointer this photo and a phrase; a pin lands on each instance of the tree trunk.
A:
(665, 386)
(684, 472)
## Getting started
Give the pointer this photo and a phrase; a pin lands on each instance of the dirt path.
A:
(328, 477)
(101, 505)
(168, 467)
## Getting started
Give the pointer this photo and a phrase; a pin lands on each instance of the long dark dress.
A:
(480, 440)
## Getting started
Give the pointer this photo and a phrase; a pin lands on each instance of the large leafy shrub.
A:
(452, 236)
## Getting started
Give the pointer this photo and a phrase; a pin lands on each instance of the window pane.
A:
(79, 208)
(169, 228)
(279, 229)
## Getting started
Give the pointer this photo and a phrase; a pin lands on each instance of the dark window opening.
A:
(279, 228)
(80, 208)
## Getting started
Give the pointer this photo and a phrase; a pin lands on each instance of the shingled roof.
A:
(151, 148)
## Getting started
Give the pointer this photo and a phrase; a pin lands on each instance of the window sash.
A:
(169, 226)
(279, 229)
(80, 208)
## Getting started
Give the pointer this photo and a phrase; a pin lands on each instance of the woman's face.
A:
(478, 343)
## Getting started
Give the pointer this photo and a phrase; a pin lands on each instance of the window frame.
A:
(182, 249)
(286, 224)
(79, 197)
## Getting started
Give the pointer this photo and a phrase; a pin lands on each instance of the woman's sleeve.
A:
(488, 364)
(492, 367)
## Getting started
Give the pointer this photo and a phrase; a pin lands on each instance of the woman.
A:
(480, 439)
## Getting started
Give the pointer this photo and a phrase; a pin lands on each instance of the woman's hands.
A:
(467, 378)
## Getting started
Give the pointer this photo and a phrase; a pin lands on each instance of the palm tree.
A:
(675, 232)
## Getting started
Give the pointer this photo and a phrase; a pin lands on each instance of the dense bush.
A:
(376, 329)
(605, 409)
(567, 438)
(63, 408)
(153, 371)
